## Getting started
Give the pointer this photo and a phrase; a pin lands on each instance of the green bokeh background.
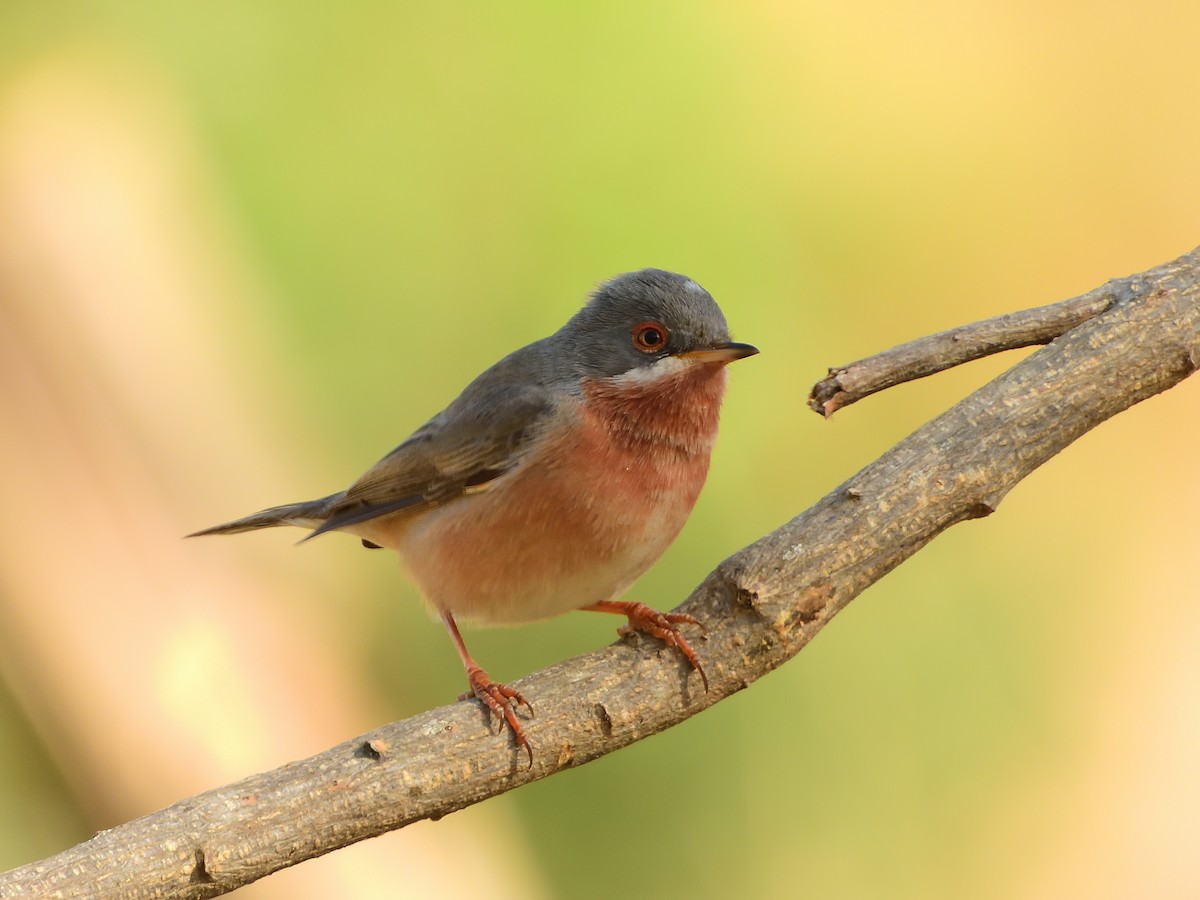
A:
(423, 187)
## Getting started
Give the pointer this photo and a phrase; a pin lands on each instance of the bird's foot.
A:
(664, 626)
(502, 701)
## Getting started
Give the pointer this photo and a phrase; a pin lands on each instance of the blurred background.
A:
(247, 248)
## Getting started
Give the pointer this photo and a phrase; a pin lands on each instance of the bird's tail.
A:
(308, 514)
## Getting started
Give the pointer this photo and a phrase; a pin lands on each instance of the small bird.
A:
(556, 478)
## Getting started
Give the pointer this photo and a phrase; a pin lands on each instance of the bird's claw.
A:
(499, 699)
(665, 627)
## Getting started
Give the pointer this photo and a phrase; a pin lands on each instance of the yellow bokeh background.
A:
(247, 248)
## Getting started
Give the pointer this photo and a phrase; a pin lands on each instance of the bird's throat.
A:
(678, 409)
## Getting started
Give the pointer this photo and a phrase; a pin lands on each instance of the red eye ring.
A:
(650, 337)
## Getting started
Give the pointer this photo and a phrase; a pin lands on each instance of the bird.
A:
(556, 478)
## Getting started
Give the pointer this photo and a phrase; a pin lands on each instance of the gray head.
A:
(642, 318)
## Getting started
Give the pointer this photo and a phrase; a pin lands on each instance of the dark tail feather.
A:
(361, 512)
(309, 514)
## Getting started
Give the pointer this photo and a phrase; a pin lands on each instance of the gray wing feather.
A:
(482, 435)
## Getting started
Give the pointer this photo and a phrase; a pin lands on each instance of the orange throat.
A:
(676, 411)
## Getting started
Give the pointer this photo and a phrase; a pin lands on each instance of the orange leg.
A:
(498, 697)
(652, 622)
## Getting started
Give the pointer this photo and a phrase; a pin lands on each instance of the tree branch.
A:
(1133, 338)
(937, 352)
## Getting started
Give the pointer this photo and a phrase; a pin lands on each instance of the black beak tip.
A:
(742, 350)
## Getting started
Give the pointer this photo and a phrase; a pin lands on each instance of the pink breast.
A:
(585, 514)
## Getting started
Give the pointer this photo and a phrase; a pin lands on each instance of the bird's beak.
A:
(725, 352)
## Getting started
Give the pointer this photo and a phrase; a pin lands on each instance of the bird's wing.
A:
(463, 449)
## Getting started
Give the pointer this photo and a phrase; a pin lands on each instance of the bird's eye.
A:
(650, 337)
